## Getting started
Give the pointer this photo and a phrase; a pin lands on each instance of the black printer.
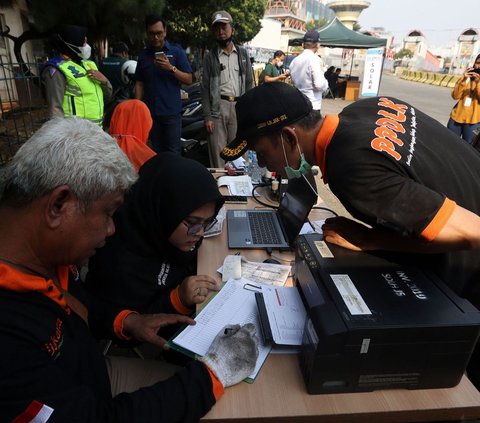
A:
(376, 324)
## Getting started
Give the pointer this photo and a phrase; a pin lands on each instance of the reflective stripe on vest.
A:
(83, 97)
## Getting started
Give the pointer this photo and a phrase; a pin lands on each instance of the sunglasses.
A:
(155, 34)
(194, 228)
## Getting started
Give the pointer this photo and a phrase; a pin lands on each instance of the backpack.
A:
(261, 77)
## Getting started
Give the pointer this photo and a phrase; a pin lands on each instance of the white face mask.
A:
(279, 64)
(84, 52)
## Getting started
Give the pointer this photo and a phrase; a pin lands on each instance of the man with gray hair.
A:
(61, 191)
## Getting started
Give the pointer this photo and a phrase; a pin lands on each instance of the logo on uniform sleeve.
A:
(36, 412)
(56, 341)
(163, 274)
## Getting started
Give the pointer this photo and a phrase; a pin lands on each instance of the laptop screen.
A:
(296, 204)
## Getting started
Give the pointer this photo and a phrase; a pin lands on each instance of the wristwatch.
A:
(174, 69)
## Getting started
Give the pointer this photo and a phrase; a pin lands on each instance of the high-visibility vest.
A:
(83, 97)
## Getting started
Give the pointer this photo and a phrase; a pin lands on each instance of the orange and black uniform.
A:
(394, 167)
(49, 358)
(139, 269)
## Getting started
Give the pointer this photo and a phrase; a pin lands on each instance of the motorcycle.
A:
(194, 135)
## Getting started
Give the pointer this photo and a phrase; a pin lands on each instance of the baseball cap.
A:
(311, 36)
(221, 16)
(264, 109)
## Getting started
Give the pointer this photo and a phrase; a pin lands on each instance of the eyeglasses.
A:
(155, 34)
(194, 228)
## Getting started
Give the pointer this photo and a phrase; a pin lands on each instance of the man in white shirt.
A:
(306, 70)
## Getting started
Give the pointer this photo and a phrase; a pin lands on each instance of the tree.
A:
(404, 52)
(189, 22)
(316, 23)
(115, 19)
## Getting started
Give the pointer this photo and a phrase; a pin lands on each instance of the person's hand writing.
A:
(195, 289)
(144, 327)
(209, 126)
(348, 234)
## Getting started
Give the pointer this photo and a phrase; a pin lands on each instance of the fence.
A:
(23, 108)
(440, 79)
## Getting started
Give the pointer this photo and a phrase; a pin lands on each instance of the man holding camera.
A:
(227, 74)
(162, 68)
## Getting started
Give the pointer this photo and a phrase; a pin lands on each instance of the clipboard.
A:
(263, 318)
(234, 304)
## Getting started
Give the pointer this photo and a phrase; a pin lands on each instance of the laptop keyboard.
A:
(263, 228)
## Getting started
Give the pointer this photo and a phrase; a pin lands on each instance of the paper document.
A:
(286, 314)
(312, 227)
(234, 304)
(264, 273)
(237, 185)
(217, 228)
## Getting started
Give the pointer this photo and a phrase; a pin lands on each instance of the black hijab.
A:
(169, 188)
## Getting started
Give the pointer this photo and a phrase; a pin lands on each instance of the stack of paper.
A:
(237, 185)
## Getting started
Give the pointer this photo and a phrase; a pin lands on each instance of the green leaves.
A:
(188, 22)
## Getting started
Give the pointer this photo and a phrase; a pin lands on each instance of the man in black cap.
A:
(227, 74)
(387, 162)
(306, 70)
(74, 85)
(111, 66)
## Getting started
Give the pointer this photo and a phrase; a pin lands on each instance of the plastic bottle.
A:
(253, 170)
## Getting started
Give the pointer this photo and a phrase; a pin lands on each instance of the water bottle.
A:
(251, 167)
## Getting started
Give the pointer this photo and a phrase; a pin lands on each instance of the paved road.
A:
(433, 100)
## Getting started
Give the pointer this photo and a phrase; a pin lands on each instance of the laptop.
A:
(252, 228)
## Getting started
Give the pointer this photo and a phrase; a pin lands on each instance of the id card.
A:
(468, 102)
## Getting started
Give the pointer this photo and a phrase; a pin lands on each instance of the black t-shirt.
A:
(393, 166)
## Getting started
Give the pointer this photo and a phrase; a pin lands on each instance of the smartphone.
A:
(477, 70)
(160, 54)
(235, 199)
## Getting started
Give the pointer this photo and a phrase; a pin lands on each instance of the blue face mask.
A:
(303, 169)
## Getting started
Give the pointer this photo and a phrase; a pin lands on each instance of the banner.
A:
(372, 72)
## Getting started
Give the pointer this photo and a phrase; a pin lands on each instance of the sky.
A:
(440, 21)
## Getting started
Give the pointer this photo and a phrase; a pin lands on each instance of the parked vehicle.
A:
(194, 134)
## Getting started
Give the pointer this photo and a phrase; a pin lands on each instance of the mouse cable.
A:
(259, 201)
(326, 209)
(289, 261)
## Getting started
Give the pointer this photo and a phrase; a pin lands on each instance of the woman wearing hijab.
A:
(130, 125)
(465, 116)
(149, 264)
